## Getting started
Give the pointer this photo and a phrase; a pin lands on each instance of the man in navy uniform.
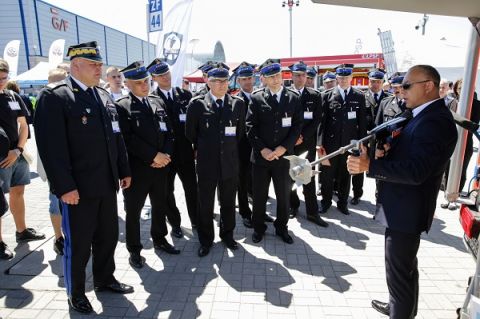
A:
(246, 81)
(343, 120)
(215, 124)
(311, 76)
(311, 101)
(183, 160)
(204, 68)
(411, 170)
(373, 97)
(393, 105)
(274, 124)
(82, 151)
(145, 128)
(329, 80)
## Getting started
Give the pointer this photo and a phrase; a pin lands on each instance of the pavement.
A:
(331, 272)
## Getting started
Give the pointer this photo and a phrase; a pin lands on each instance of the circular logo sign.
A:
(12, 52)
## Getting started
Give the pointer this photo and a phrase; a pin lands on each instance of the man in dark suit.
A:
(245, 79)
(311, 101)
(82, 150)
(204, 68)
(274, 124)
(393, 105)
(215, 124)
(146, 130)
(344, 119)
(183, 161)
(373, 97)
(329, 80)
(410, 173)
(311, 77)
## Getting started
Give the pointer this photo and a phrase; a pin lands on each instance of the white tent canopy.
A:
(38, 75)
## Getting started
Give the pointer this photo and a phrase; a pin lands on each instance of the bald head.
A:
(429, 72)
(421, 85)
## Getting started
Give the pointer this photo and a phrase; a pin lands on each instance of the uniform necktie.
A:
(275, 98)
(375, 96)
(147, 105)
(345, 95)
(92, 94)
(219, 103)
(169, 97)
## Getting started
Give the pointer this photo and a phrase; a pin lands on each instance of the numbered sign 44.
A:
(155, 14)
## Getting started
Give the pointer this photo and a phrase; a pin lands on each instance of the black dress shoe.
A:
(80, 304)
(5, 253)
(285, 237)
(324, 209)
(317, 220)
(116, 287)
(247, 222)
(257, 237)
(293, 213)
(177, 232)
(355, 201)
(343, 210)
(444, 205)
(166, 247)
(136, 261)
(381, 307)
(269, 219)
(230, 243)
(203, 251)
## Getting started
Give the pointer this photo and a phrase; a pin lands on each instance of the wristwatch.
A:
(18, 151)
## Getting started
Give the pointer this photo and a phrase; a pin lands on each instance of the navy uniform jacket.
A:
(142, 128)
(373, 107)
(206, 128)
(342, 123)
(411, 172)
(77, 143)
(389, 108)
(177, 114)
(311, 101)
(264, 123)
(245, 149)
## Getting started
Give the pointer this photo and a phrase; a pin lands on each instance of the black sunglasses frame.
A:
(407, 86)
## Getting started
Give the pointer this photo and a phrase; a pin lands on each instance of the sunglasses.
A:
(407, 86)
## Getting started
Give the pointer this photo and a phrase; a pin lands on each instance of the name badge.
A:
(230, 130)
(115, 127)
(163, 126)
(14, 106)
(352, 115)
(182, 117)
(307, 115)
(286, 122)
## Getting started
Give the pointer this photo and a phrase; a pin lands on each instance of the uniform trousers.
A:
(186, 173)
(244, 188)
(402, 272)
(145, 181)
(227, 189)
(337, 171)
(278, 174)
(90, 228)
(357, 184)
